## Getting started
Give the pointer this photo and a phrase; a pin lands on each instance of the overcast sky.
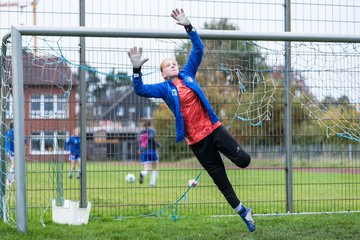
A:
(338, 17)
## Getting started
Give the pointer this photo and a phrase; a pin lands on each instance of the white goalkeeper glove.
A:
(180, 17)
(135, 56)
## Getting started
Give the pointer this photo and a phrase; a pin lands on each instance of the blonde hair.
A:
(173, 59)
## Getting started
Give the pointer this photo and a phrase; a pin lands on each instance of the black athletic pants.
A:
(207, 152)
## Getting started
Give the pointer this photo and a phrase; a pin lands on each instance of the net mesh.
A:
(244, 81)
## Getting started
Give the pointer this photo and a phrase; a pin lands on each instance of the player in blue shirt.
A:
(73, 145)
(9, 149)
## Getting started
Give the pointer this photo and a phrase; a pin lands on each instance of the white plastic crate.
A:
(70, 213)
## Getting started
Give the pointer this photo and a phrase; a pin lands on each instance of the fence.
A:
(261, 182)
(324, 153)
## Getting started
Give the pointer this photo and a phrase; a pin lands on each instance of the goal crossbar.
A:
(205, 34)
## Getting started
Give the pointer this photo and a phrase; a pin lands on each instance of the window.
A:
(61, 105)
(131, 109)
(61, 141)
(120, 111)
(48, 142)
(147, 112)
(9, 107)
(49, 106)
(36, 141)
(35, 106)
(132, 124)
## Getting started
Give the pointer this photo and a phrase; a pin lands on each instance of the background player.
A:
(73, 145)
(148, 153)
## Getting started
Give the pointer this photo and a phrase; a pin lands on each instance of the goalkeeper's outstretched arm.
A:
(169, 67)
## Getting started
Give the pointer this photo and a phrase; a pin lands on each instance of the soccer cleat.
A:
(70, 176)
(247, 217)
(141, 179)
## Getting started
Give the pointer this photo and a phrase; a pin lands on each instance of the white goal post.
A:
(17, 74)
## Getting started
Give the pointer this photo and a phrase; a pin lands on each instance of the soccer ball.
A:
(192, 183)
(130, 178)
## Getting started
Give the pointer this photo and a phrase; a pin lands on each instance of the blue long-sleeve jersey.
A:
(73, 144)
(9, 142)
(169, 93)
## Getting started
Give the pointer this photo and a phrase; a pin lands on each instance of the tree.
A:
(92, 80)
(97, 88)
(112, 81)
(328, 102)
(220, 60)
(343, 101)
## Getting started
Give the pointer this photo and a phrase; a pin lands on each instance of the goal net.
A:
(243, 80)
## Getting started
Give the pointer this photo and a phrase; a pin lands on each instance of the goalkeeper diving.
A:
(195, 119)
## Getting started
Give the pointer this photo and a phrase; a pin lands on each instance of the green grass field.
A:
(321, 226)
(264, 190)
